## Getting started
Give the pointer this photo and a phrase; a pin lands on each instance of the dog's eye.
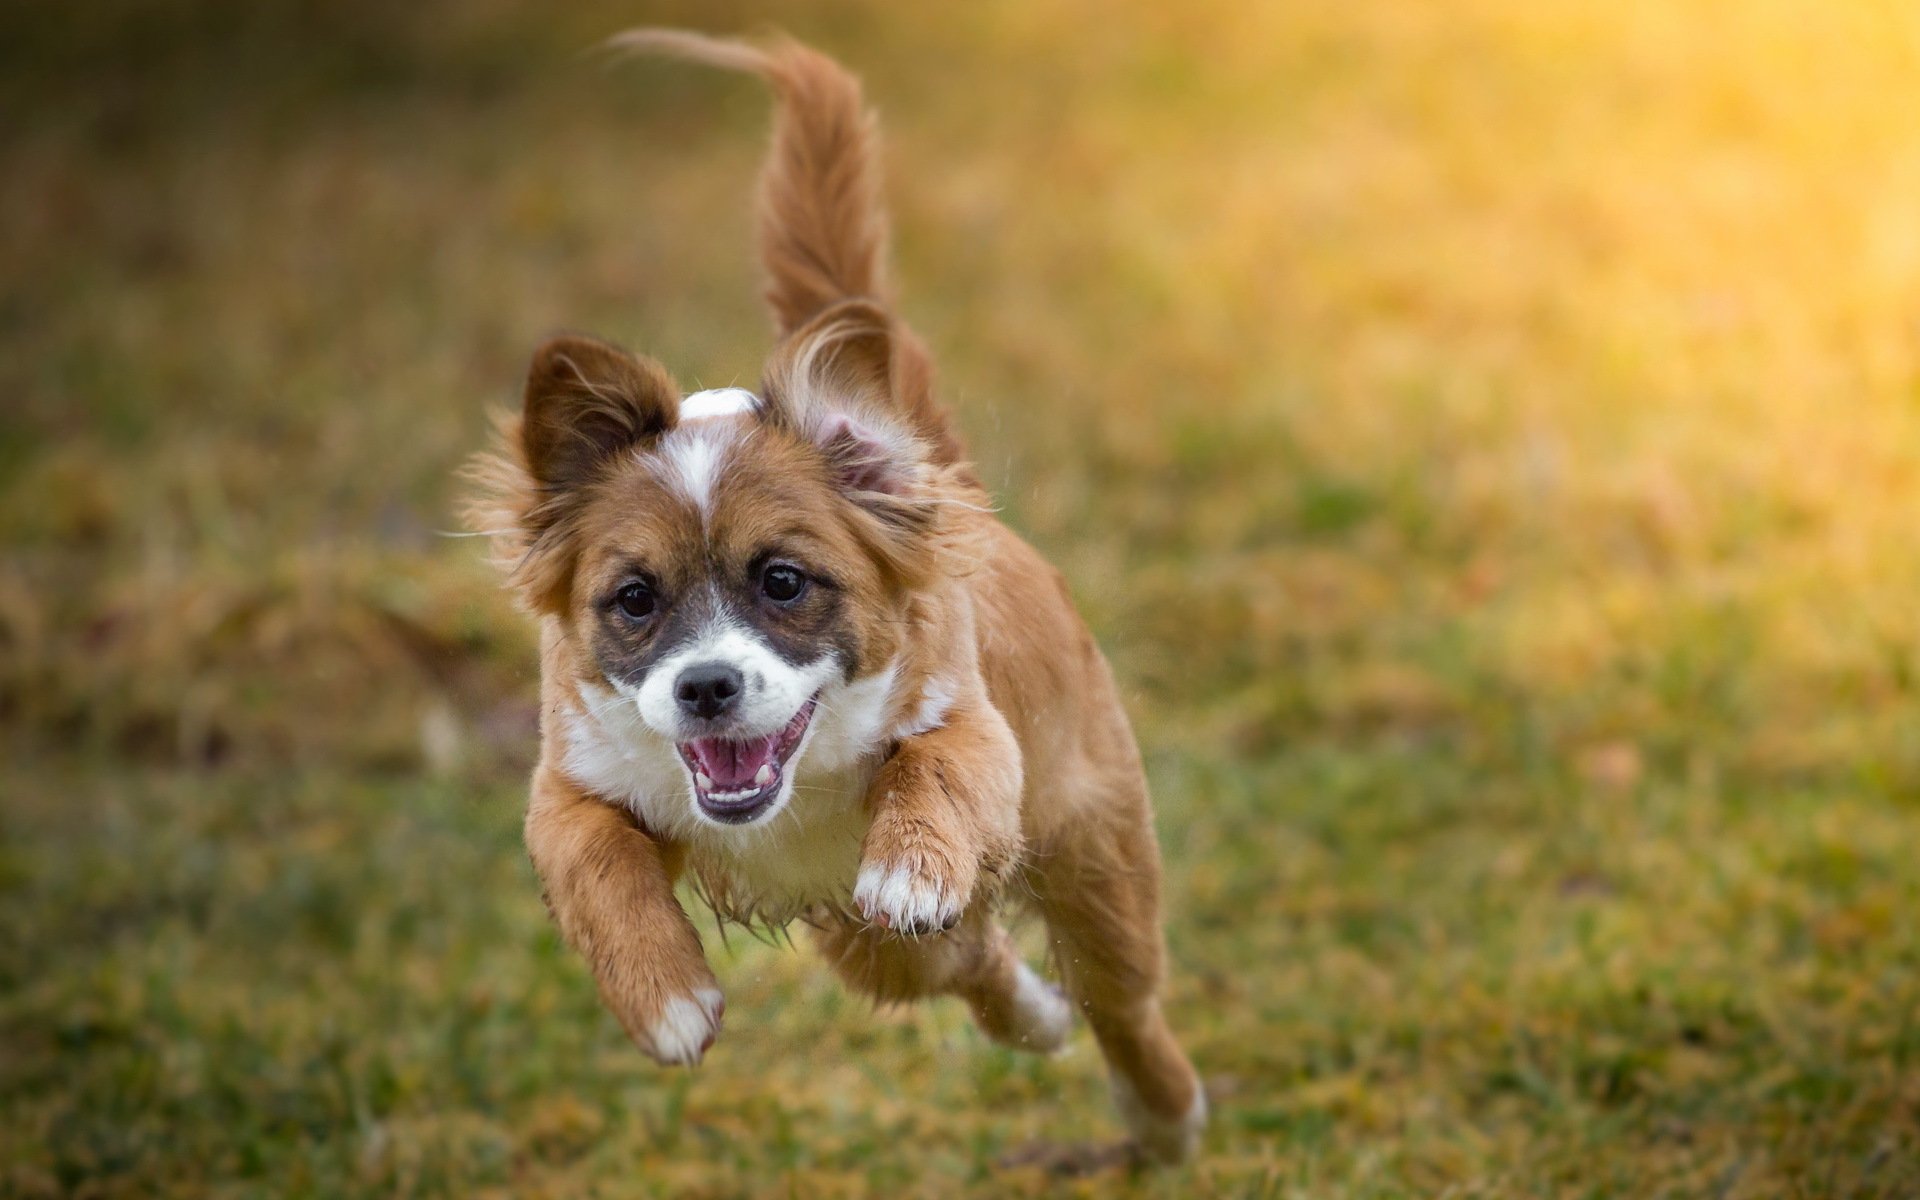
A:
(635, 599)
(782, 583)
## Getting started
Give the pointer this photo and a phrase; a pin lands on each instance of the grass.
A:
(1486, 437)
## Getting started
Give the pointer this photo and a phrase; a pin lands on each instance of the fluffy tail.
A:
(823, 230)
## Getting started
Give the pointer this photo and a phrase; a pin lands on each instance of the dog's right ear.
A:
(586, 401)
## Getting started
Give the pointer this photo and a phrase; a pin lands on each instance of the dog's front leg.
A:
(946, 810)
(610, 890)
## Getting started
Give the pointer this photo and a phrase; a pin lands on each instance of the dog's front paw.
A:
(682, 1028)
(910, 900)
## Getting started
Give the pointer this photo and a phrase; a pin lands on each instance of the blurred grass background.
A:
(1485, 435)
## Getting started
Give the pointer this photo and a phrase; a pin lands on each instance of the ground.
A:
(1485, 436)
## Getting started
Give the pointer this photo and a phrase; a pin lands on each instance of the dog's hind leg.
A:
(976, 961)
(1099, 889)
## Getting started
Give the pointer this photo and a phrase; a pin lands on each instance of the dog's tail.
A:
(823, 229)
(823, 226)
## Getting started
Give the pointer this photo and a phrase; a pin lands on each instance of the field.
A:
(1485, 436)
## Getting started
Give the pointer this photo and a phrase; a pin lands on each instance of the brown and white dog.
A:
(788, 651)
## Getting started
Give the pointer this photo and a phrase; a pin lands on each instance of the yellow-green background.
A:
(1485, 434)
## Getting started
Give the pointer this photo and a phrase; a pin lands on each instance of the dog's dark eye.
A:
(782, 583)
(635, 600)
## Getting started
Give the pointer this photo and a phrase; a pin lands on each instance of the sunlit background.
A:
(1485, 435)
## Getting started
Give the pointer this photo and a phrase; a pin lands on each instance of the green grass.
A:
(1486, 437)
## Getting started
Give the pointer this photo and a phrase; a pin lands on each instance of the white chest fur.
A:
(806, 854)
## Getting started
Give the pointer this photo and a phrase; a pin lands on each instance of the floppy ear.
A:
(830, 384)
(849, 346)
(587, 401)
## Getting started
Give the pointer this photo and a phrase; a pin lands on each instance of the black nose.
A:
(708, 689)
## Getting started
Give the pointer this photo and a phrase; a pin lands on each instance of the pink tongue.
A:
(732, 765)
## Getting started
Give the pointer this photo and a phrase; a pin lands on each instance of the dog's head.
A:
(732, 566)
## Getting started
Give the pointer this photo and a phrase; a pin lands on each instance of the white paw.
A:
(685, 1028)
(1157, 1139)
(1044, 1015)
(904, 901)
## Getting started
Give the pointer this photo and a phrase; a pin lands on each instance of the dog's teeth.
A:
(764, 775)
(703, 779)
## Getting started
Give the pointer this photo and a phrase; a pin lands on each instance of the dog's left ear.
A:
(830, 384)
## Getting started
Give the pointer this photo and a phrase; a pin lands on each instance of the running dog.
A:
(788, 652)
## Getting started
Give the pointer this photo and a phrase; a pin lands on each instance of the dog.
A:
(789, 654)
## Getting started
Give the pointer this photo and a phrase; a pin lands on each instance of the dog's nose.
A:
(708, 689)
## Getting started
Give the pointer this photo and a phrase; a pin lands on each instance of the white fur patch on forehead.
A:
(718, 402)
(691, 458)
(693, 454)
(692, 465)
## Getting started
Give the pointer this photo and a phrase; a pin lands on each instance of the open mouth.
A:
(735, 780)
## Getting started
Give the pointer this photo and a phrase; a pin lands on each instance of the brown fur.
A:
(1028, 786)
(823, 229)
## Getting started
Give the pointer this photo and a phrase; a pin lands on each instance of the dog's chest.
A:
(806, 855)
